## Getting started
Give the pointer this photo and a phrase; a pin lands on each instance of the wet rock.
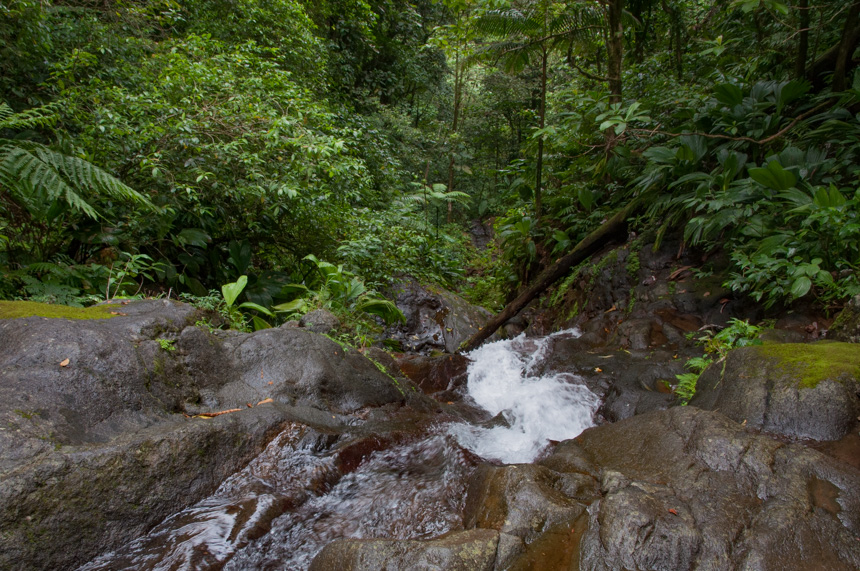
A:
(628, 383)
(797, 390)
(510, 547)
(636, 298)
(637, 333)
(482, 233)
(847, 325)
(514, 326)
(293, 366)
(434, 374)
(472, 550)
(320, 321)
(382, 357)
(96, 449)
(691, 489)
(69, 504)
(557, 548)
(781, 336)
(436, 320)
(568, 456)
(639, 531)
(524, 500)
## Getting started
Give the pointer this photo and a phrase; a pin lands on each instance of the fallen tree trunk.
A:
(612, 229)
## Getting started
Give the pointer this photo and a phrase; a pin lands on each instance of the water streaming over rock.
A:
(534, 409)
(301, 493)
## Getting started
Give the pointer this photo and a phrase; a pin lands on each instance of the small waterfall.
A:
(293, 499)
(536, 409)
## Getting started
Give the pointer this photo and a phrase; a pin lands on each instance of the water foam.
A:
(536, 408)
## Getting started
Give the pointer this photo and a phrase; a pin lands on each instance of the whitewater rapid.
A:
(536, 408)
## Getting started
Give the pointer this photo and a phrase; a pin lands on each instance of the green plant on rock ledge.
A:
(166, 344)
(739, 333)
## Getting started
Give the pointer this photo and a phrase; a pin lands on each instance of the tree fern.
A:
(521, 34)
(39, 177)
(44, 116)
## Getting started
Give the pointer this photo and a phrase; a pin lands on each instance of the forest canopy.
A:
(287, 155)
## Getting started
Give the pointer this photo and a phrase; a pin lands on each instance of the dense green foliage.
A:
(179, 145)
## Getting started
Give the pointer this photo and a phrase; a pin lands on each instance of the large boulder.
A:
(103, 434)
(436, 320)
(524, 500)
(691, 489)
(847, 325)
(798, 390)
(289, 365)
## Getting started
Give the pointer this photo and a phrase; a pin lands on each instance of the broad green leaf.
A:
(290, 289)
(256, 307)
(295, 306)
(663, 155)
(383, 308)
(773, 176)
(829, 197)
(586, 197)
(607, 124)
(728, 94)
(240, 255)
(789, 91)
(824, 277)
(232, 290)
(194, 237)
(801, 286)
(259, 323)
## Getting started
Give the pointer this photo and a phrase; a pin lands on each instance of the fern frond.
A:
(44, 116)
(524, 34)
(84, 174)
(26, 174)
(507, 23)
(30, 168)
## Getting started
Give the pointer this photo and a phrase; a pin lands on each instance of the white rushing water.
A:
(537, 408)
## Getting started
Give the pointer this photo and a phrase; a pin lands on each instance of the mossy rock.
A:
(810, 364)
(795, 389)
(19, 309)
(847, 325)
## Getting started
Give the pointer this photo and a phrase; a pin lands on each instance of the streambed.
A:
(309, 488)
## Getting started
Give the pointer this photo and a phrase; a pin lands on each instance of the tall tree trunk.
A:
(675, 36)
(542, 118)
(679, 47)
(802, 40)
(614, 55)
(846, 48)
(615, 50)
(458, 91)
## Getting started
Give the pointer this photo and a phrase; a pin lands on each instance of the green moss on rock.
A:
(815, 362)
(18, 309)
